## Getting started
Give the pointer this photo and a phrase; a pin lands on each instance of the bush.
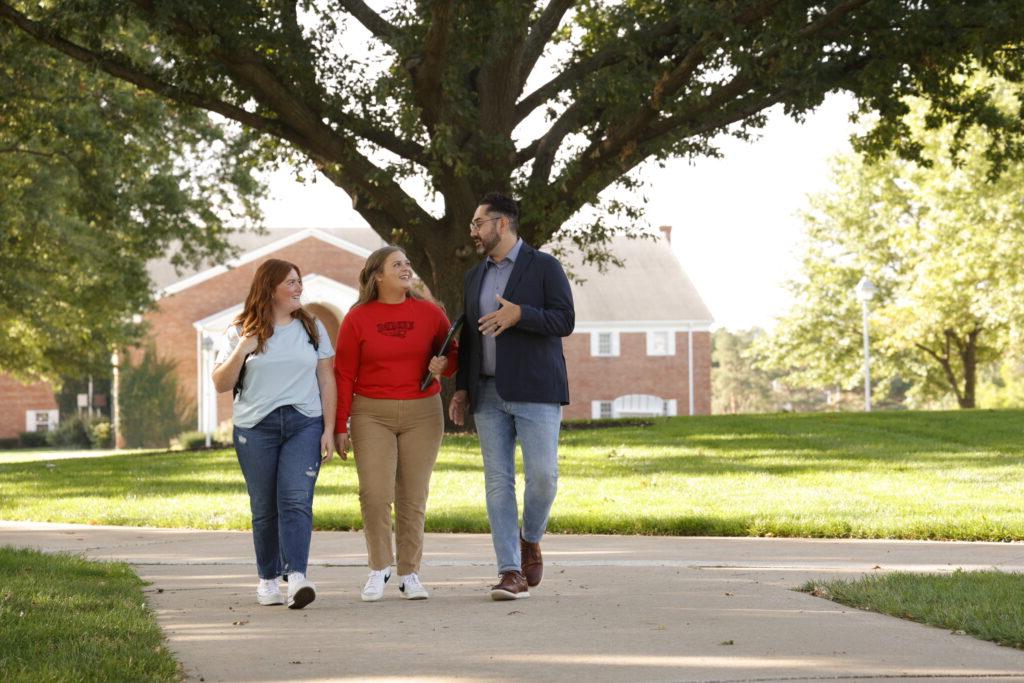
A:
(71, 432)
(32, 439)
(9, 443)
(100, 434)
(224, 434)
(152, 410)
(193, 440)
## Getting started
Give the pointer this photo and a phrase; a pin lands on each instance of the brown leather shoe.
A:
(511, 587)
(533, 563)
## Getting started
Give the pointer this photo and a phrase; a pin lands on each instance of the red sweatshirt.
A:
(383, 352)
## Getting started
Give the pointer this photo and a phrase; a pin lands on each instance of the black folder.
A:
(445, 346)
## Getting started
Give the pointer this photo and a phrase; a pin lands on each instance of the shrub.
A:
(152, 410)
(9, 443)
(32, 439)
(224, 434)
(71, 432)
(193, 440)
(100, 434)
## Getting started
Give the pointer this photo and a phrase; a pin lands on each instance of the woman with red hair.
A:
(277, 359)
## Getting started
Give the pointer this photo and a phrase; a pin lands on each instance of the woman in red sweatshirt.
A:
(386, 341)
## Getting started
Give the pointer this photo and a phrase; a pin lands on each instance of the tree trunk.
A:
(969, 358)
(444, 273)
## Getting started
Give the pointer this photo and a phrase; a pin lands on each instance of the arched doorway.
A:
(328, 318)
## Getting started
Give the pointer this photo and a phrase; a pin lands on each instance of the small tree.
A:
(736, 385)
(152, 408)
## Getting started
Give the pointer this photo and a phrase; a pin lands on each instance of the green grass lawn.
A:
(985, 604)
(37, 454)
(938, 475)
(65, 619)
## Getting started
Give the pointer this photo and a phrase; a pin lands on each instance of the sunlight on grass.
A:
(985, 604)
(63, 618)
(953, 475)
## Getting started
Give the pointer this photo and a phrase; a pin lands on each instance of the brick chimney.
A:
(666, 230)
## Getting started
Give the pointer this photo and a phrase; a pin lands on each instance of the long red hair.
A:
(257, 316)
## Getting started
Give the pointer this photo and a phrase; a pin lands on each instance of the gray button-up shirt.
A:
(496, 275)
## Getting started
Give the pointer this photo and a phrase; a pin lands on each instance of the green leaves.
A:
(412, 103)
(943, 242)
(99, 178)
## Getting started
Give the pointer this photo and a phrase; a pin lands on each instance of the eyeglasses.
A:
(474, 226)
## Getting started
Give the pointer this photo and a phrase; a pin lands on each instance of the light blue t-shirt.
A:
(284, 374)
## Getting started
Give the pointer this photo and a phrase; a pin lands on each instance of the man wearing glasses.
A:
(512, 377)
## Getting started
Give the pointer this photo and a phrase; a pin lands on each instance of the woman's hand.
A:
(438, 364)
(341, 444)
(326, 447)
(248, 344)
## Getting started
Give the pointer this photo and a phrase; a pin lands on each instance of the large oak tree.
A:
(415, 109)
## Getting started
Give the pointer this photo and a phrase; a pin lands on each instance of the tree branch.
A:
(540, 34)
(947, 368)
(37, 153)
(605, 57)
(373, 22)
(297, 124)
(120, 67)
(428, 74)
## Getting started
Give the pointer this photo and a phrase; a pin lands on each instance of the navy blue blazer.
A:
(530, 362)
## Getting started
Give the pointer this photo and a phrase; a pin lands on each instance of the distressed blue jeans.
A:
(499, 424)
(280, 460)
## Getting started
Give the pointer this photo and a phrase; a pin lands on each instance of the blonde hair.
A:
(368, 282)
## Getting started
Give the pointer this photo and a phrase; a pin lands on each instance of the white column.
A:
(206, 396)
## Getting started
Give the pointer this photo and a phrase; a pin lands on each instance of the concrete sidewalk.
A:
(610, 608)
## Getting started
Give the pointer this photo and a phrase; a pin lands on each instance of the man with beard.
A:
(512, 377)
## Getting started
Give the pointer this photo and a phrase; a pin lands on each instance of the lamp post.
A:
(209, 408)
(865, 291)
(115, 400)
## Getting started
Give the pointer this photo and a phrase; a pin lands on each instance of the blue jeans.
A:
(499, 423)
(280, 459)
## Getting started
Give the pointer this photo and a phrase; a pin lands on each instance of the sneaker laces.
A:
(375, 582)
(411, 582)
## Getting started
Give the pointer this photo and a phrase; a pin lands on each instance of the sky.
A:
(735, 220)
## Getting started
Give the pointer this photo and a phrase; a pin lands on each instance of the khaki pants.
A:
(395, 444)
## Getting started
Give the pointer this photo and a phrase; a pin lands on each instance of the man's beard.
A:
(484, 245)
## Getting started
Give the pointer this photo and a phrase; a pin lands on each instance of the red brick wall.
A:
(16, 398)
(605, 378)
(171, 325)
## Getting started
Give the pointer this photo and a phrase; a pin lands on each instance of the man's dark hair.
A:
(505, 205)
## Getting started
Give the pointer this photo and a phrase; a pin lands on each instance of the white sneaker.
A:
(301, 591)
(374, 588)
(411, 587)
(268, 592)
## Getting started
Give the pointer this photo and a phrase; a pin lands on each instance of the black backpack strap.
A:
(241, 376)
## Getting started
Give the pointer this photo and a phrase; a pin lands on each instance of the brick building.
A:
(642, 343)
(641, 347)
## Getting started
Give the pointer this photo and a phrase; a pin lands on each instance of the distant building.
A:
(642, 344)
(641, 347)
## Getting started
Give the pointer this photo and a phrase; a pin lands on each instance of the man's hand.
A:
(457, 407)
(507, 315)
(341, 444)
